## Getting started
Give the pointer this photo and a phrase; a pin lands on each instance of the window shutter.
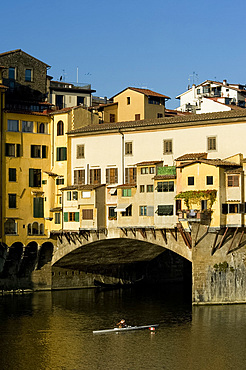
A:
(224, 208)
(44, 151)
(242, 208)
(107, 176)
(116, 175)
(65, 216)
(91, 174)
(69, 195)
(77, 216)
(150, 210)
(31, 177)
(57, 154)
(75, 177)
(38, 207)
(18, 150)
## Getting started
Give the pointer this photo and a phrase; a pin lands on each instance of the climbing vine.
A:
(195, 196)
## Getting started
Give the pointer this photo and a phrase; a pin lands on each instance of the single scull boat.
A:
(127, 328)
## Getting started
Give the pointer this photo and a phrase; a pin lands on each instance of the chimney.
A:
(225, 82)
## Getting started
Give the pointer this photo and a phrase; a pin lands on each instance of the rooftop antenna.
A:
(64, 74)
(77, 75)
(193, 79)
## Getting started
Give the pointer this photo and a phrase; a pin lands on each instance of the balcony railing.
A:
(195, 215)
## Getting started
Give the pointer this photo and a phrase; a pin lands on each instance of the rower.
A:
(122, 324)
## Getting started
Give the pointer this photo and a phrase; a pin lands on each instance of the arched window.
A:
(60, 128)
(41, 128)
(41, 229)
(35, 228)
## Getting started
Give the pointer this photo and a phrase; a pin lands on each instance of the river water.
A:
(53, 330)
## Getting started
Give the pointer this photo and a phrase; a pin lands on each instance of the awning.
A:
(122, 207)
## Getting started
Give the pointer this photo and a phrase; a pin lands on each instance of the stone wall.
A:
(218, 276)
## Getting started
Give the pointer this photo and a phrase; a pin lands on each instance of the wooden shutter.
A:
(65, 216)
(77, 216)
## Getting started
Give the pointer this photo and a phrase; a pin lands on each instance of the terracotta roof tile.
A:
(192, 156)
(82, 187)
(213, 162)
(148, 163)
(188, 120)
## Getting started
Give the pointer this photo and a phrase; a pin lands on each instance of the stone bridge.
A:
(73, 259)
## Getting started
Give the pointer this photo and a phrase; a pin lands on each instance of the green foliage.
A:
(223, 267)
(195, 196)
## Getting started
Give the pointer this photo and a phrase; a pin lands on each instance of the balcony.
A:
(194, 215)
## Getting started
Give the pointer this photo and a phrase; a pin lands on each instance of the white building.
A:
(212, 96)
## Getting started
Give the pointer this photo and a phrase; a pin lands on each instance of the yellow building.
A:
(25, 157)
(133, 104)
(203, 188)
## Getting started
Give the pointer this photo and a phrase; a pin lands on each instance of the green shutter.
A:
(44, 151)
(77, 216)
(65, 216)
(57, 154)
(38, 207)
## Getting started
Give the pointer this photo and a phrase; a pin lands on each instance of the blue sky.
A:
(156, 44)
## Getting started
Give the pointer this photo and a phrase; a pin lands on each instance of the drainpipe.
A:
(122, 156)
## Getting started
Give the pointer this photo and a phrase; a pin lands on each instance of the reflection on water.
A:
(53, 330)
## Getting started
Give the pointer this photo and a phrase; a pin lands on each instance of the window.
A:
(142, 188)
(12, 150)
(233, 181)
(73, 216)
(38, 151)
(34, 177)
(159, 115)
(126, 192)
(75, 195)
(111, 175)
(150, 188)
(127, 212)
(60, 128)
(204, 204)
(224, 209)
(12, 200)
(10, 227)
(80, 100)
(165, 210)
(28, 74)
(112, 214)
(137, 117)
(12, 174)
(209, 180)
(144, 170)
(69, 195)
(87, 214)
(27, 126)
(57, 218)
(112, 117)
(233, 208)
(165, 186)
(128, 100)
(42, 128)
(61, 154)
(13, 125)
(198, 91)
(95, 176)
(191, 180)
(79, 177)
(142, 210)
(11, 73)
(212, 143)
(80, 151)
(152, 170)
(167, 146)
(128, 148)
(60, 181)
(130, 175)
(38, 207)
